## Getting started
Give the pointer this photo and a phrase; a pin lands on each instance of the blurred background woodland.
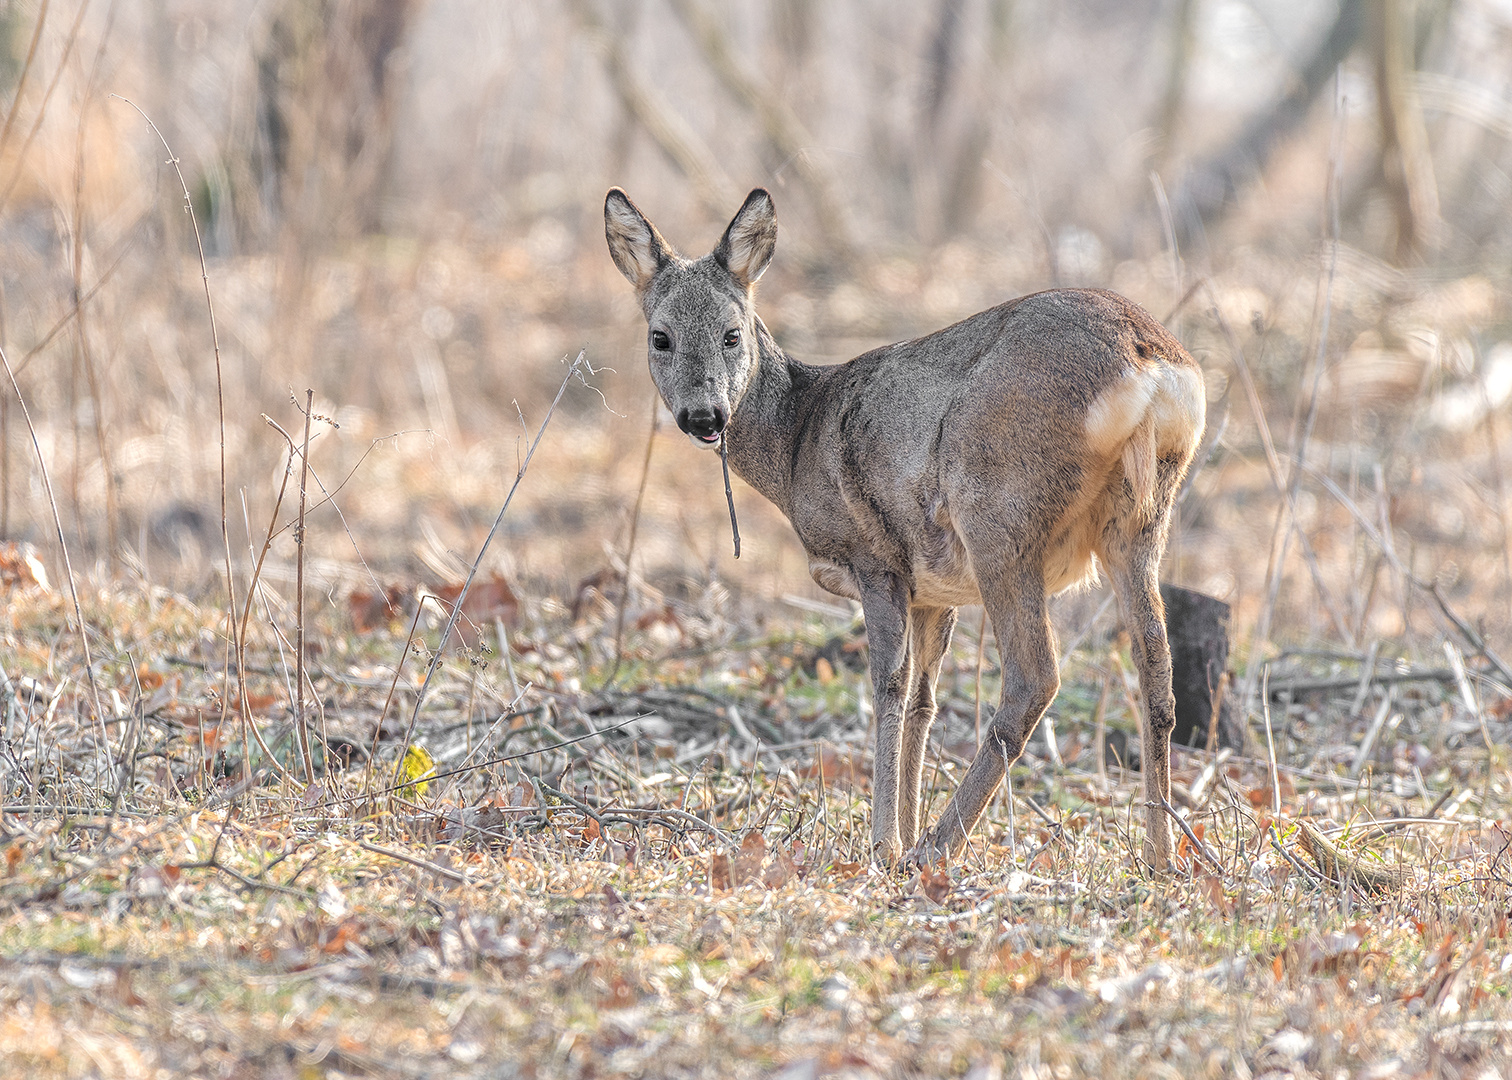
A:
(401, 207)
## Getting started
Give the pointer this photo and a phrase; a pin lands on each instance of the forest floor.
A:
(539, 876)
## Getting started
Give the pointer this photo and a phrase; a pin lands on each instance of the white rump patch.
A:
(1117, 411)
(1180, 409)
(1147, 414)
(1169, 396)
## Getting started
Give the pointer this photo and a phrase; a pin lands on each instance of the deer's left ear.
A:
(747, 245)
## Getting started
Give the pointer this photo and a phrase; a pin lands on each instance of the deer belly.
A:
(942, 572)
(1069, 559)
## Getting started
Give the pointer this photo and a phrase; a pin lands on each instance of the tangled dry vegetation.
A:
(621, 831)
(666, 875)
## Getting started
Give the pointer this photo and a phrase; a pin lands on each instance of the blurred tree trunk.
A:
(1183, 44)
(942, 63)
(326, 95)
(1406, 163)
(781, 125)
(949, 156)
(1209, 189)
(671, 133)
(793, 29)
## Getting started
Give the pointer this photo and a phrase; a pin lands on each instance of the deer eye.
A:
(660, 341)
(731, 338)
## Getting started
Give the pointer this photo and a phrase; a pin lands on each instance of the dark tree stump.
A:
(1198, 628)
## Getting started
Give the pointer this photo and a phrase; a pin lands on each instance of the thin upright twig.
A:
(1270, 740)
(301, 727)
(456, 611)
(640, 497)
(73, 590)
(367, 776)
(237, 644)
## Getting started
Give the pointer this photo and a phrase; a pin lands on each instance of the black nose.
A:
(701, 423)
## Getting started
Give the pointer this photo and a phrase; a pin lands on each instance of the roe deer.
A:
(987, 462)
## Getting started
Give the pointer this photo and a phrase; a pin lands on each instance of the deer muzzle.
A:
(703, 425)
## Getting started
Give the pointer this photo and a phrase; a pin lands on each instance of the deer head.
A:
(700, 313)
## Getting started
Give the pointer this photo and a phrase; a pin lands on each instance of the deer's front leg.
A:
(884, 604)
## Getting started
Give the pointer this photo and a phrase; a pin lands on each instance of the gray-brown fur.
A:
(987, 461)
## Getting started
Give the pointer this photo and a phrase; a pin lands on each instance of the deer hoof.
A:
(929, 851)
(887, 850)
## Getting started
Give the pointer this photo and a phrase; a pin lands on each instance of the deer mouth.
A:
(711, 441)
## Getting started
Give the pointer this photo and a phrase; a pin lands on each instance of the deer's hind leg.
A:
(931, 629)
(1131, 550)
(1014, 594)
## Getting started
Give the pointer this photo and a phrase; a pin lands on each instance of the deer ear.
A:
(746, 248)
(636, 247)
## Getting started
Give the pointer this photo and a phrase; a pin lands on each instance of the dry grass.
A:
(667, 877)
(205, 928)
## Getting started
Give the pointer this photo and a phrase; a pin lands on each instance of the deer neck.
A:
(763, 432)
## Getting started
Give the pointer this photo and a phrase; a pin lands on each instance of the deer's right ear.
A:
(635, 245)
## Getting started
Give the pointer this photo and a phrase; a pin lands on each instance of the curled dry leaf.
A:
(376, 610)
(780, 871)
(747, 865)
(935, 883)
(841, 769)
(719, 872)
(1341, 866)
(148, 679)
(21, 567)
(488, 600)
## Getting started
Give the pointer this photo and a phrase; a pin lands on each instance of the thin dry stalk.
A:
(17, 172)
(1270, 741)
(220, 405)
(456, 612)
(249, 730)
(1284, 515)
(73, 590)
(301, 726)
(724, 460)
(1100, 727)
(367, 777)
(26, 70)
(1381, 537)
(635, 515)
(1196, 841)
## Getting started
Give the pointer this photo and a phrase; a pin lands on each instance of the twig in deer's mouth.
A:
(724, 459)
